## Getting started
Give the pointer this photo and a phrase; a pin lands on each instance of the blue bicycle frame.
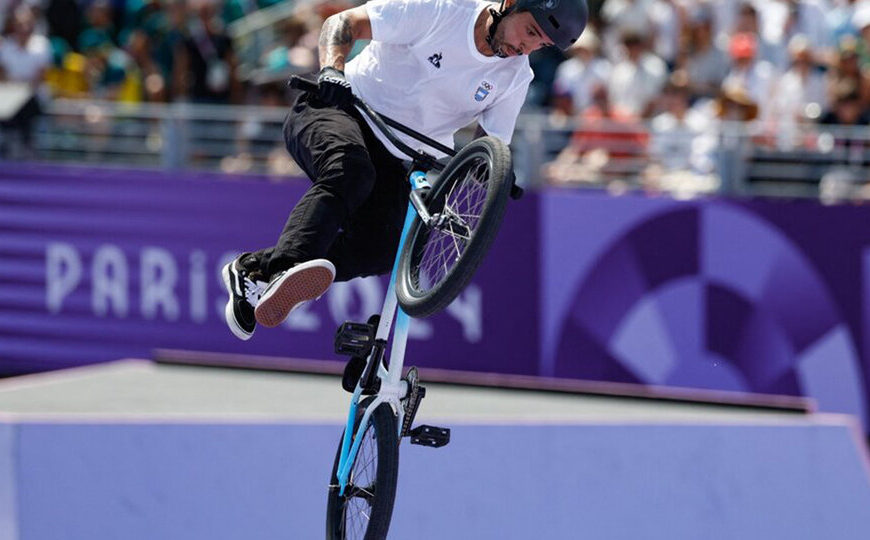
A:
(392, 388)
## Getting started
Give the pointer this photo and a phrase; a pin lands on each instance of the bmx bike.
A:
(449, 226)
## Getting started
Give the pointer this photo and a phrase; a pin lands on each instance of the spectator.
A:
(64, 19)
(754, 76)
(206, 65)
(846, 67)
(707, 63)
(108, 72)
(783, 19)
(544, 63)
(608, 145)
(842, 119)
(800, 94)
(725, 15)
(861, 21)
(293, 52)
(637, 79)
(24, 57)
(5, 9)
(679, 159)
(149, 16)
(847, 109)
(622, 17)
(236, 9)
(667, 21)
(24, 54)
(169, 41)
(99, 30)
(748, 23)
(150, 84)
(578, 76)
(840, 19)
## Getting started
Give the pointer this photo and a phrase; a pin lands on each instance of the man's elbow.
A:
(356, 21)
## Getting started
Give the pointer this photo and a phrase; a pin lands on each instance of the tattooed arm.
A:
(338, 34)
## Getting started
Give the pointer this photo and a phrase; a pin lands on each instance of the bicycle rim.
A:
(365, 510)
(438, 249)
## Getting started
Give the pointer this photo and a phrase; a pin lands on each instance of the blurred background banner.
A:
(100, 264)
(751, 296)
(742, 295)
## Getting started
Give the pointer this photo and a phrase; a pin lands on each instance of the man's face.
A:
(518, 34)
(23, 23)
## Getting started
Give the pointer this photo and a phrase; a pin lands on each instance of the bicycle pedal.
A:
(416, 393)
(434, 437)
(355, 339)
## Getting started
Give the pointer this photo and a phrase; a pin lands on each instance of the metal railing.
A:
(688, 158)
(733, 158)
(171, 136)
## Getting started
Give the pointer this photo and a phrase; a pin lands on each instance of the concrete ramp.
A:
(133, 450)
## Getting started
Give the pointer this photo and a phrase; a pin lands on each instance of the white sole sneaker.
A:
(302, 283)
(229, 312)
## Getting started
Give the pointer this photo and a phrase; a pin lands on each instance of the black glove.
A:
(333, 88)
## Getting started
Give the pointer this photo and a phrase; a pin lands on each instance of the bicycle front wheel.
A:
(469, 200)
(365, 509)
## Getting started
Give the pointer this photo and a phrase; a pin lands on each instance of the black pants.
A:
(353, 213)
(23, 120)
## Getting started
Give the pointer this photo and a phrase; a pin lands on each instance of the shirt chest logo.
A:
(436, 60)
(482, 91)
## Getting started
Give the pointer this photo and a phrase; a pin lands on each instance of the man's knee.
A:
(348, 172)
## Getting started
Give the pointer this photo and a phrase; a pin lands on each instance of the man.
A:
(435, 65)
(24, 56)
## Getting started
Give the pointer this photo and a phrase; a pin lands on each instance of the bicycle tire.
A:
(342, 521)
(422, 295)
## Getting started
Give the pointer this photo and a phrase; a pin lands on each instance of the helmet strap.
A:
(497, 17)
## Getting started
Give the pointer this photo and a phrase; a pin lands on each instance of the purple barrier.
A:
(750, 296)
(99, 264)
(753, 296)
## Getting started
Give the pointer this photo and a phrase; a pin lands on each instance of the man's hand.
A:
(333, 88)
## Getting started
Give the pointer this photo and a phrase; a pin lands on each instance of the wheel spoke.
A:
(441, 248)
(360, 491)
(367, 493)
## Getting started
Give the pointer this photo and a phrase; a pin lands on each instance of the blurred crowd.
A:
(653, 82)
(133, 50)
(643, 89)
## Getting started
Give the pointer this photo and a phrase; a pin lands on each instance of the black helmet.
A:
(562, 20)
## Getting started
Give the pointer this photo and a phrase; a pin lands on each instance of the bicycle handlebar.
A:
(382, 122)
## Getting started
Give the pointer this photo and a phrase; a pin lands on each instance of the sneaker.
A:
(292, 288)
(244, 295)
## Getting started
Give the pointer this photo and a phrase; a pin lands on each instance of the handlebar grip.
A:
(516, 191)
(305, 85)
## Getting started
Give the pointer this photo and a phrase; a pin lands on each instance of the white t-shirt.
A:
(632, 87)
(25, 63)
(423, 70)
(578, 80)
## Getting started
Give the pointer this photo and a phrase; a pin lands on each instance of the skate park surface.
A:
(137, 449)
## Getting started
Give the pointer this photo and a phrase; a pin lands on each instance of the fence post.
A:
(175, 136)
(731, 162)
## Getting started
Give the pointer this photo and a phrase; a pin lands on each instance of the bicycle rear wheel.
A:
(470, 197)
(365, 509)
